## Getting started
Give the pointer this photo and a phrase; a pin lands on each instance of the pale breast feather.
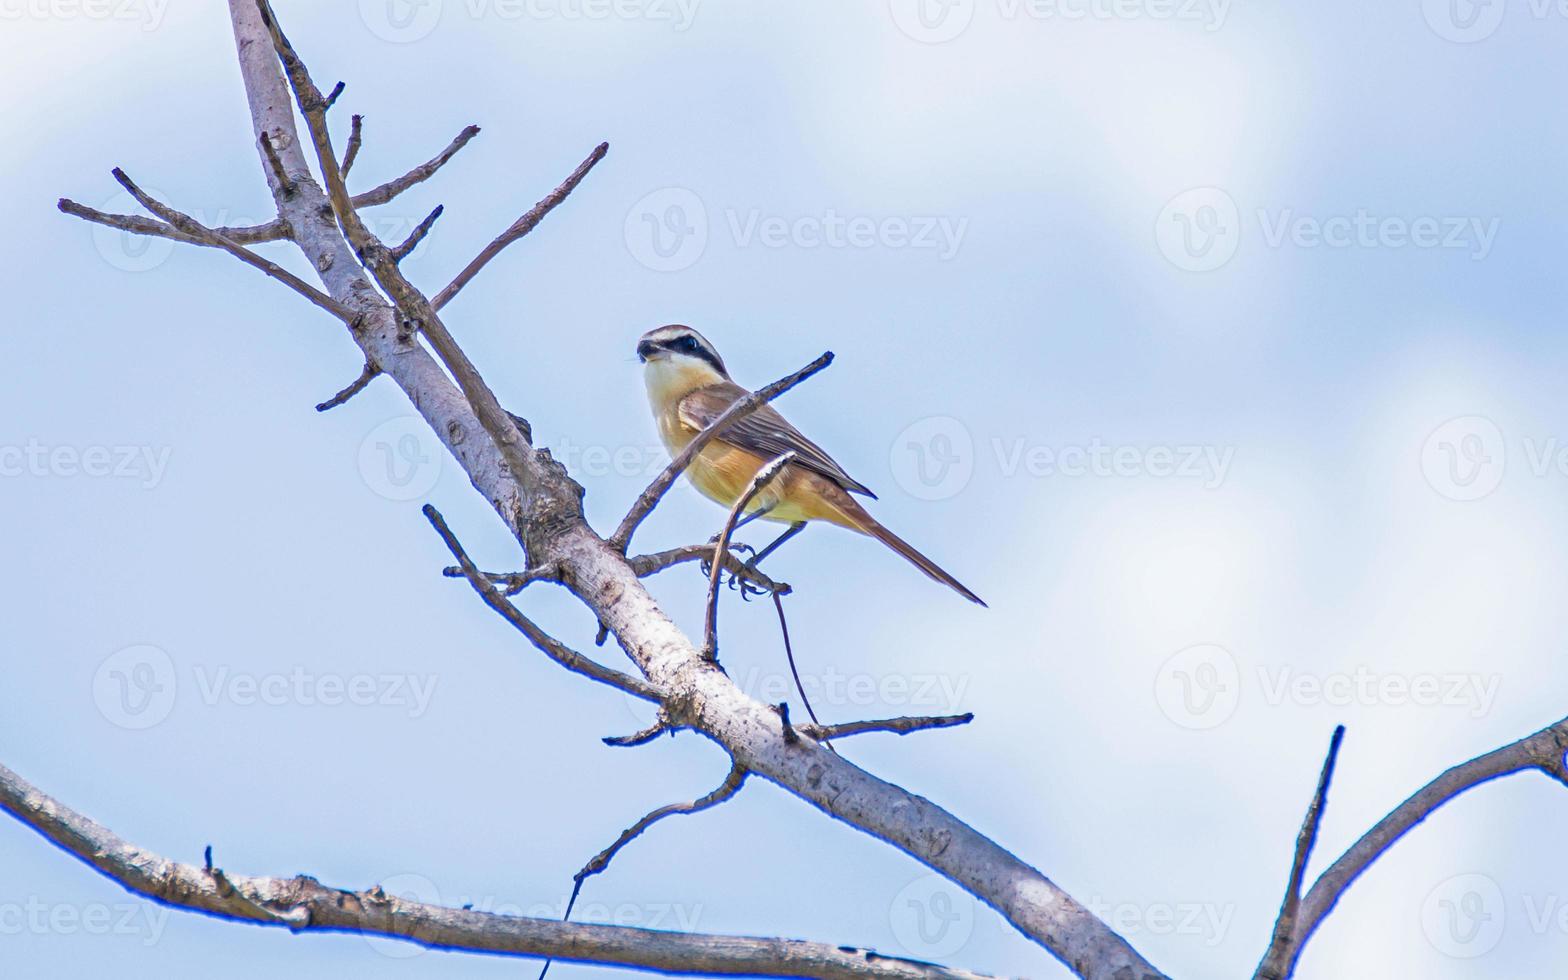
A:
(764, 432)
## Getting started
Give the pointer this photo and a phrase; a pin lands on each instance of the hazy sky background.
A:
(1218, 346)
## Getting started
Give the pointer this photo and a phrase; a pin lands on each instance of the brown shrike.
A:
(689, 387)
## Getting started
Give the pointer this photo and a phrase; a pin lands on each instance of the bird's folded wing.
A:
(764, 432)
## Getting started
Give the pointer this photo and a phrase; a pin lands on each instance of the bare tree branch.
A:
(417, 235)
(898, 726)
(382, 193)
(650, 497)
(646, 565)
(359, 384)
(721, 547)
(1542, 751)
(190, 226)
(356, 136)
(541, 506)
(726, 790)
(521, 226)
(549, 645)
(1276, 962)
(285, 182)
(303, 904)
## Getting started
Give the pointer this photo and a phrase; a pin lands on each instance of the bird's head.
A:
(677, 349)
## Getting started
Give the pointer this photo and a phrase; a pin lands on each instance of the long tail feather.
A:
(931, 568)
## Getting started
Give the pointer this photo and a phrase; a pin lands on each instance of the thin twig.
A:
(355, 137)
(1542, 752)
(655, 491)
(196, 229)
(898, 726)
(650, 564)
(359, 384)
(660, 725)
(332, 97)
(1276, 962)
(721, 547)
(552, 648)
(789, 655)
(731, 785)
(382, 193)
(285, 182)
(417, 235)
(511, 583)
(521, 226)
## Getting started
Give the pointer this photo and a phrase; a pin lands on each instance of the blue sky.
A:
(1217, 345)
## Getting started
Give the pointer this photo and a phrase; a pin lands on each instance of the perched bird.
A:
(689, 387)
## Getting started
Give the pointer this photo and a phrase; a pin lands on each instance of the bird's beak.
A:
(645, 350)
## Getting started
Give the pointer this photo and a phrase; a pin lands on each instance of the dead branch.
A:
(650, 564)
(521, 226)
(359, 384)
(303, 904)
(1276, 961)
(721, 547)
(417, 235)
(1542, 752)
(549, 645)
(898, 726)
(190, 226)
